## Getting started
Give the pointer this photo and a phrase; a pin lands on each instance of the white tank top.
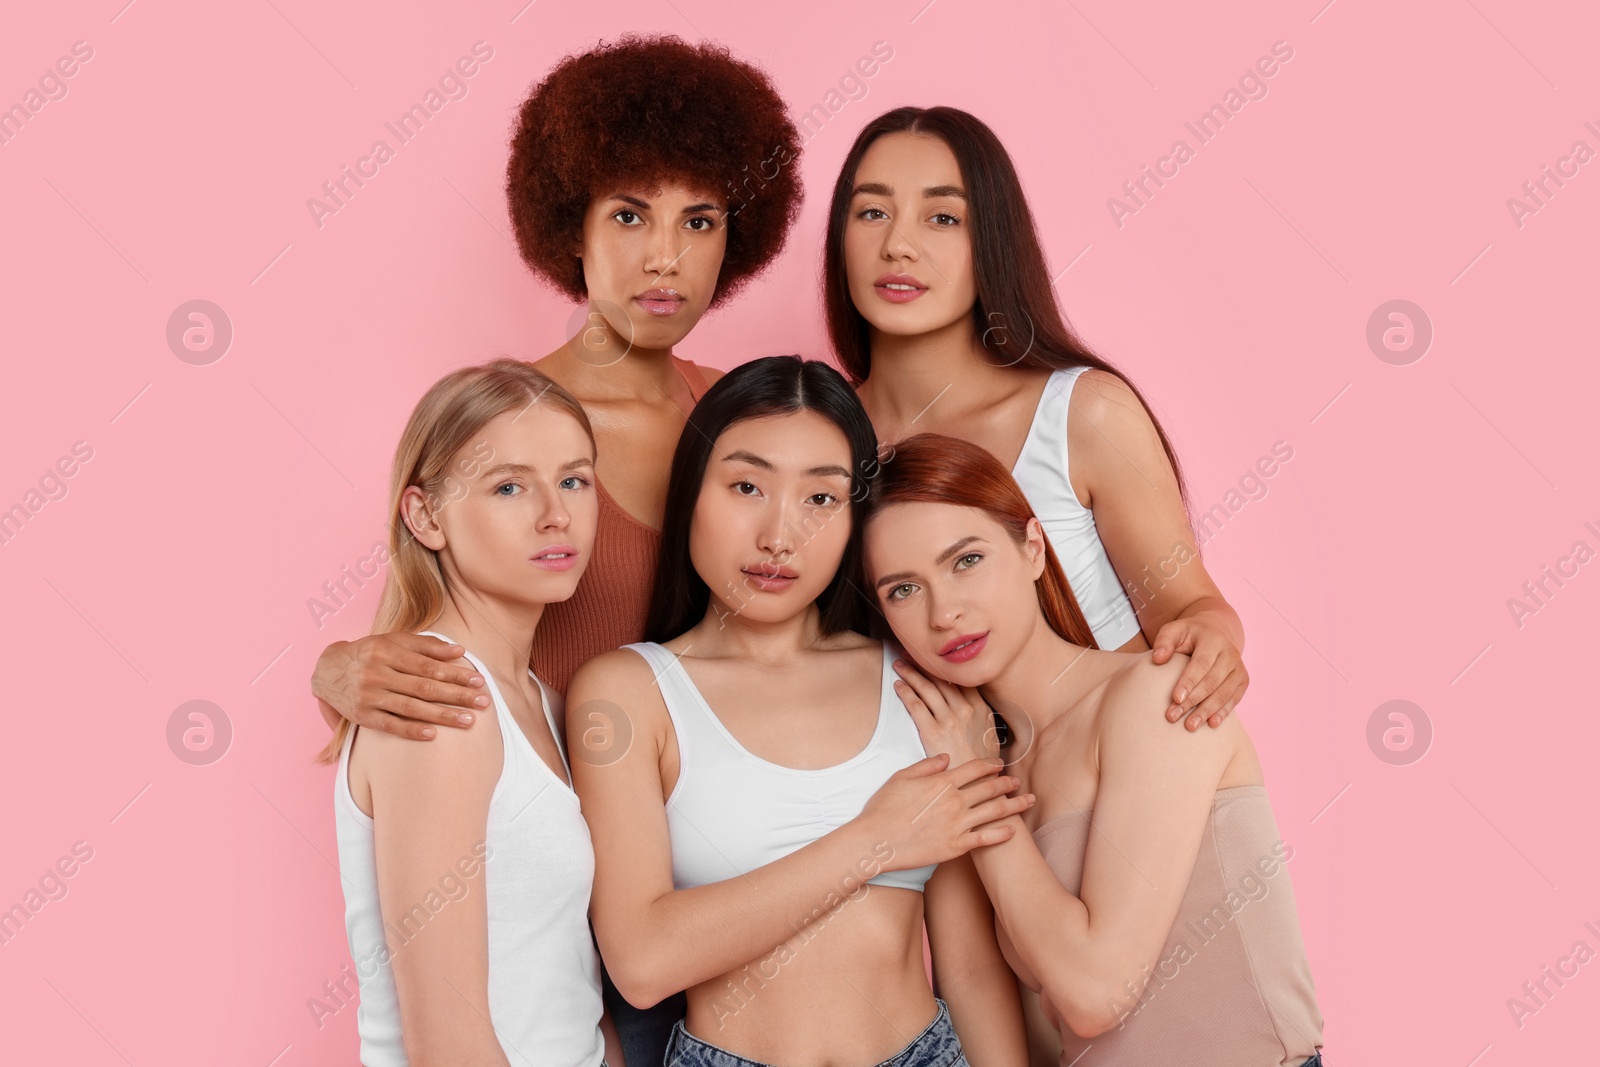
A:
(538, 869)
(732, 811)
(1041, 471)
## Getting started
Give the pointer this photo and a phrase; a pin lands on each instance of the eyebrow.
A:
(879, 189)
(645, 204)
(522, 468)
(942, 557)
(746, 456)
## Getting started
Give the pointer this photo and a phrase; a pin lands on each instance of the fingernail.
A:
(1179, 695)
(481, 702)
(465, 718)
(427, 731)
(476, 680)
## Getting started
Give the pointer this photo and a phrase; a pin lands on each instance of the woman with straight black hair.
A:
(764, 818)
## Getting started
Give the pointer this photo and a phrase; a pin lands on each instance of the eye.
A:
(575, 478)
(963, 559)
(872, 214)
(738, 485)
(626, 217)
(500, 490)
(894, 593)
(829, 497)
(944, 218)
(710, 224)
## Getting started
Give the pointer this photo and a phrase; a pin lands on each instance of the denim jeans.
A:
(936, 1046)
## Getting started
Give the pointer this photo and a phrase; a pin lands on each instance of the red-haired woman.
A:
(1169, 932)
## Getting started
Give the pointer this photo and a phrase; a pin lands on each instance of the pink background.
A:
(220, 497)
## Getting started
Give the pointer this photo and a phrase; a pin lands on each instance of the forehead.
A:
(912, 160)
(662, 190)
(530, 432)
(913, 533)
(797, 439)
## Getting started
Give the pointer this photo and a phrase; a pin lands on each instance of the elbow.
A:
(638, 978)
(1090, 1005)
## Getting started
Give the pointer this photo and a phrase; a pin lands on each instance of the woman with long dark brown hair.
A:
(941, 309)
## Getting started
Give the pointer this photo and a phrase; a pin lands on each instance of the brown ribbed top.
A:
(1231, 988)
(613, 597)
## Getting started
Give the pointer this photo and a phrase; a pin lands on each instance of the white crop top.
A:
(538, 870)
(732, 811)
(1041, 471)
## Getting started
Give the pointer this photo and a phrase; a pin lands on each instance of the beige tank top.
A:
(1231, 987)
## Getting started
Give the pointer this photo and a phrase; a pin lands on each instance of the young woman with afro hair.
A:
(648, 179)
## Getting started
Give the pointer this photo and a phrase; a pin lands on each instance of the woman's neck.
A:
(1038, 686)
(909, 374)
(499, 633)
(726, 631)
(611, 369)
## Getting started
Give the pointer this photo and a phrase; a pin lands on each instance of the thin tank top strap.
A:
(546, 701)
(683, 703)
(692, 376)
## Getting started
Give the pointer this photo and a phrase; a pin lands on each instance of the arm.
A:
(657, 940)
(430, 810)
(1091, 952)
(1121, 472)
(973, 977)
(397, 683)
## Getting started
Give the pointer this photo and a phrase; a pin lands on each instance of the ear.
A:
(1033, 546)
(420, 519)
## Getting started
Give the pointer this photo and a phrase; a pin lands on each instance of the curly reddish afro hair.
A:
(652, 109)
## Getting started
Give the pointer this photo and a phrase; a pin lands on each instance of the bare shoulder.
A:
(451, 755)
(1132, 720)
(620, 684)
(1107, 402)
(622, 672)
(711, 373)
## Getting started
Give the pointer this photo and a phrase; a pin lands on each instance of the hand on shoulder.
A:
(1133, 715)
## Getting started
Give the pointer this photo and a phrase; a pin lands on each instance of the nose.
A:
(666, 249)
(553, 511)
(775, 538)
(896, 245)
(944, 610)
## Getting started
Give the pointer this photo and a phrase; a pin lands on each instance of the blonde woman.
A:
(467, 864)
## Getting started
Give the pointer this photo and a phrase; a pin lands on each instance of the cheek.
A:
(857, 257)
(711, 533)
(952, 255)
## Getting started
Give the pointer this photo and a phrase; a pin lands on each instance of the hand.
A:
(927, 814)
(1211, 685)
(951, 719)
(398, 683)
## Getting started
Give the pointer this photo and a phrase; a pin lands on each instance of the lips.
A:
(556, 558)
(960, 649)
(898, 288)
(771, 576)
(660, 301)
